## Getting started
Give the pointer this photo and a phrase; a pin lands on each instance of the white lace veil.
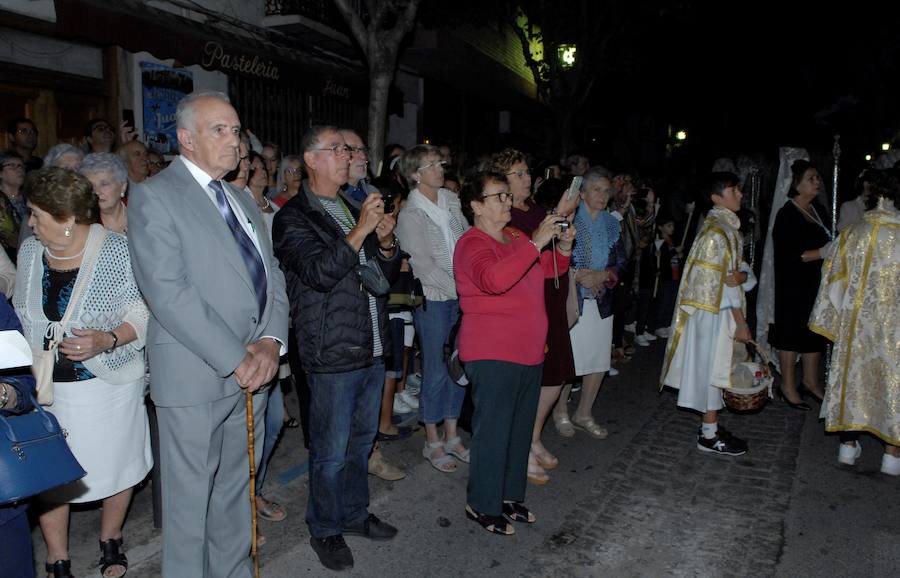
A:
(765, 300)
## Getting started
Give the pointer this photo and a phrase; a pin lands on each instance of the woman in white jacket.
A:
(99, 371)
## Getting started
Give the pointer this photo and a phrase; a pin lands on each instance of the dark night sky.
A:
(754, 78)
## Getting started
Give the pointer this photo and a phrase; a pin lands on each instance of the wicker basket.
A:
(748, 399)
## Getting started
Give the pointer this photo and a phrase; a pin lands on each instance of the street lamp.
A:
(681, 135)
(885, 146)
(566, 54)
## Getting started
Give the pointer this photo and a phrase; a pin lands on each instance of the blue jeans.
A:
(274, 422)
(441, 398)
(343, 421)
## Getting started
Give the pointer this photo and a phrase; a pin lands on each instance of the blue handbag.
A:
(34, 455)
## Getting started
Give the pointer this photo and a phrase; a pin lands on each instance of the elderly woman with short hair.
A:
(559, 366)
(290, 179)
(98, 377)
(428, 227)
(597, 260)
(109, 178)
(500, 276)
(64, 156)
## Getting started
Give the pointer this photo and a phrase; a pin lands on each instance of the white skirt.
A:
(109, 434)
(591, 340)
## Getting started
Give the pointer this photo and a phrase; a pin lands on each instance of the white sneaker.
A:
(662, 332)
(648, 336)
(641, 340)
(890, 465)
(613, 372)
(400, 406)
(631, 327)
(848, 454)
(409, 399)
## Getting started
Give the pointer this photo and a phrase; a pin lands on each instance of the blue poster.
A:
(162, 88)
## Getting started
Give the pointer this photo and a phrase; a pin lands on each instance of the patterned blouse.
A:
(57, 287)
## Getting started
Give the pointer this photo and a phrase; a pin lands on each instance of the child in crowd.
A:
(709, 317)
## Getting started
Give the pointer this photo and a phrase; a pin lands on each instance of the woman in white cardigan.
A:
(428, 227)
(99, 372)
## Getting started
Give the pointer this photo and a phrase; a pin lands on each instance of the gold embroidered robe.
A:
(715, 252)
(858, 308)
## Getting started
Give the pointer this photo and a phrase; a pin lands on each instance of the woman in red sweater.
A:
(500, 275)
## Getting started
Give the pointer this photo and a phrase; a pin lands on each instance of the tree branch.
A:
(355, 23)
(405, 23)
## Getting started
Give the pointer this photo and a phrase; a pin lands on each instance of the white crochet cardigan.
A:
(110, 298)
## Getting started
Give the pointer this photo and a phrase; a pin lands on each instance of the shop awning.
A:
(137, 27)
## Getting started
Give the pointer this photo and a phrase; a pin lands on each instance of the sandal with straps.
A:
(517, 512)
(59, 569)
(450, 448)
(442, 463)
(591, 427)
(493, 524)
(110, 556)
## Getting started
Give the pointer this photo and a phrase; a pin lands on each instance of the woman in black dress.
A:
(801, 237)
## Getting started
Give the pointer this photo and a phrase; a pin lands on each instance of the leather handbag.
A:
(407, 291)
(34, 455)
(43, 360)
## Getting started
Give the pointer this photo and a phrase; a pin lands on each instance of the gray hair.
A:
(411, 160)
(285, 164)
(595, 173)
(105, 162)
(187, 107)
(310, 139)
(58, 151)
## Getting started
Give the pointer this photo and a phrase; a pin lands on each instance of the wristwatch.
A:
(392, 246)
(115, 342)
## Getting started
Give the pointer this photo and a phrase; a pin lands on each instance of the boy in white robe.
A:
(709, 317)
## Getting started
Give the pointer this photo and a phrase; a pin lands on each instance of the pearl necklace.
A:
(813, 216)
(75, 256)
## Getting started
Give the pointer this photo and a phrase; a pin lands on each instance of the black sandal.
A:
(516, 512)
(59, 569)
(493, 524)
(291, 422)
(111, 556)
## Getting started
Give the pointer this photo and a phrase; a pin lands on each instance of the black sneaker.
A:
(333, 552)
(725, 444)
(371, 528)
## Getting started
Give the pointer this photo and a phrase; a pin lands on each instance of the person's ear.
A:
(185, 139)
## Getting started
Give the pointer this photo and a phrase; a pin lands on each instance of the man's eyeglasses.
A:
(503, 197)
(519, 173)
(432, 165)
(338, 149)
(294, 170)
(14, 166)
(358, 150)
(102, 128)
(24, 130)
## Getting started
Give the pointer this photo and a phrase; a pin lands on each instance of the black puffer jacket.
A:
(329, 306)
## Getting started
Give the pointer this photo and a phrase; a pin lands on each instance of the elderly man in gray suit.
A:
(219, 322)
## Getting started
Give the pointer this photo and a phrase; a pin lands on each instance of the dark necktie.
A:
(251, 256)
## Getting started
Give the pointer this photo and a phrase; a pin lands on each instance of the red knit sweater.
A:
(501, 295)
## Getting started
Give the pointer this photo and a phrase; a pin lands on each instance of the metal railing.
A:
(322, 11)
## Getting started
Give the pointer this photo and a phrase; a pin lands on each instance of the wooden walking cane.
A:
(250, 453)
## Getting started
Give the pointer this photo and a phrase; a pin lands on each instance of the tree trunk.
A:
(379, 90)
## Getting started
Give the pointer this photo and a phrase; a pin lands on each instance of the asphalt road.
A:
(643, 502)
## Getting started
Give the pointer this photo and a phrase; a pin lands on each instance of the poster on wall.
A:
(162, 87)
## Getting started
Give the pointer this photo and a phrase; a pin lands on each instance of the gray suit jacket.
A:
(203, 308)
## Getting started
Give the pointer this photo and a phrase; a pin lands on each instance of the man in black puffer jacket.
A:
(339, 260)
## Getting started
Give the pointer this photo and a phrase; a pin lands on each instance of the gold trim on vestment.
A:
(857, 304)
(863, 427)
